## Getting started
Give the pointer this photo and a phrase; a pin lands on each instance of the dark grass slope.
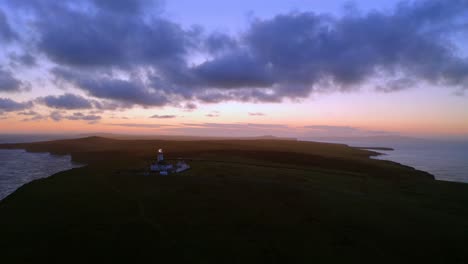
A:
(254, 201)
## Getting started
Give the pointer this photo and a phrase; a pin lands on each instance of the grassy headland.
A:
(243, 201)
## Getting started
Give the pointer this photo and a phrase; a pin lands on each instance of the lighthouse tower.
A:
(160, 155)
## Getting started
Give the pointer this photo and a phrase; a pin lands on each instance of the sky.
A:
(303, 68)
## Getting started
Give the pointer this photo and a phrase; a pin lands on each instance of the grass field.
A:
(243, 201)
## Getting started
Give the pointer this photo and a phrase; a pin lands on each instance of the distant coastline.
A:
(13, 173)
(445, 159)
(374, 148)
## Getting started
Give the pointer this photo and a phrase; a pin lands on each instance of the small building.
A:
(165, 168)
(181, 166)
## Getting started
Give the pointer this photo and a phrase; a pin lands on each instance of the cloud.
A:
(302, 52)
(77, 116)
(116, 28)
(305, 49)
(32, 116)
(128, 92)
(56, 116)
(188, 107)
(66, 101)
(396, 85)
(8, 105)
(8, 83)
(234, 70)
(35, 118)
(218, 42)
(256, 114)
(138, 57)
(163, 116)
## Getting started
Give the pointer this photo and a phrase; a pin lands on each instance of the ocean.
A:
(18, 167)
(446, 160)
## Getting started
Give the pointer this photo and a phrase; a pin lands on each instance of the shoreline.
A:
(374, 148)
(74, 159)
(11, 185)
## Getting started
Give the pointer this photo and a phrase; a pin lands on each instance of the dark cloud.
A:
(119, 53)
(77, 116)
(219, 42)
(163, 116)
(8, 105)
(8, 83)
(66, 101)
(294, 54)
(234, 71)
(131, 92)
(128, 92)
(108, 39)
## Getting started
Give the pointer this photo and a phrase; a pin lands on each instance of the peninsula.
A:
(242, 201)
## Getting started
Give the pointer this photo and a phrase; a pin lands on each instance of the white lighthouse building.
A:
(160, 155)
(161, 165)
(164, 168)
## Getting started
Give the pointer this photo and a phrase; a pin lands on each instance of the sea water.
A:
(18, 167)
(446, 160)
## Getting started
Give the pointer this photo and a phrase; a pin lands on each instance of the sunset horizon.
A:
(211, 72)
(243, 131)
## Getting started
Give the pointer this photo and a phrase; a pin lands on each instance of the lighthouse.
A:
(160, 155)
(164, 167)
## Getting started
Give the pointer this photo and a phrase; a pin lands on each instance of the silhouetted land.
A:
(243, 201)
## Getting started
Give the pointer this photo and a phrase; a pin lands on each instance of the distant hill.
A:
(370, 139)
(181, 137)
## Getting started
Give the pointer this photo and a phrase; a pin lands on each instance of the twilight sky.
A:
(303, 68)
